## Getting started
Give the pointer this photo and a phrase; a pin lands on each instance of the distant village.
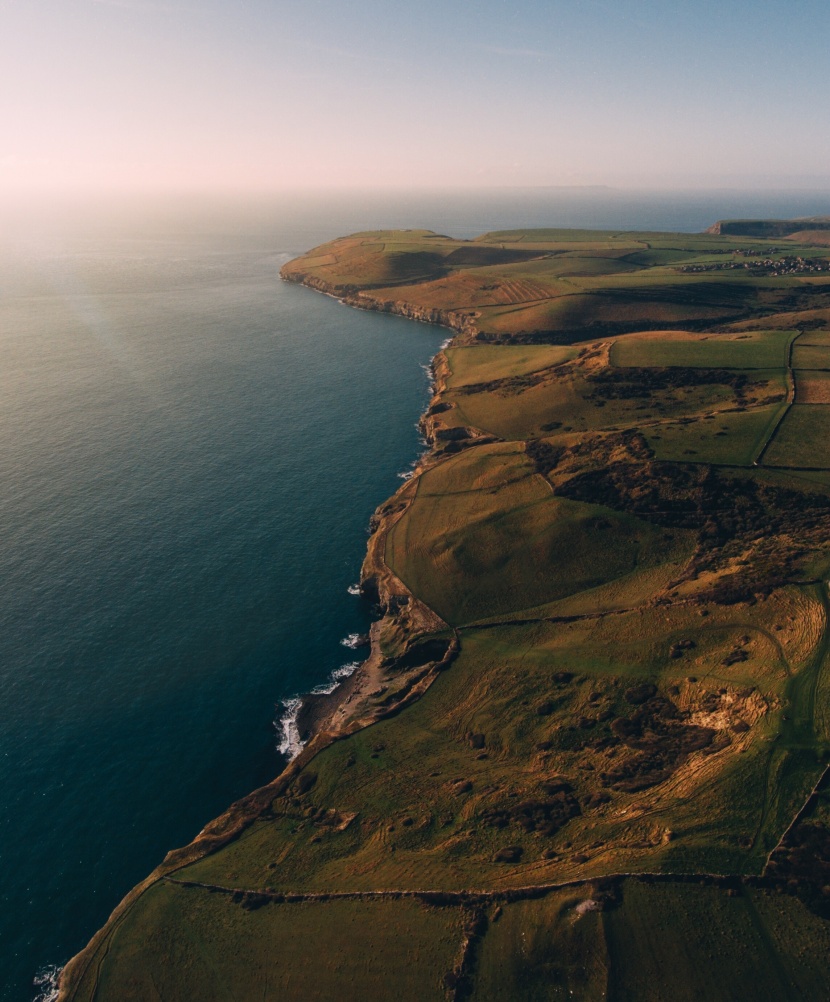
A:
(763, 266)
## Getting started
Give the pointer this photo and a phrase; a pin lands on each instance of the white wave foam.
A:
(46, 982)
(354, 640)
(290, 743)
(353, 589)
(336, 677)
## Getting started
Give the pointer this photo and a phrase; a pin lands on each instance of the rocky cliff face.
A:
(462, 322)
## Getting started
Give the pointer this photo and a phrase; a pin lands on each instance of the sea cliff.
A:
(461, 322)
(400, 667)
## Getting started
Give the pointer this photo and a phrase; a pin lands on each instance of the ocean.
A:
(190, 451)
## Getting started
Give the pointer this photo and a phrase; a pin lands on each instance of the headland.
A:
(587, 755)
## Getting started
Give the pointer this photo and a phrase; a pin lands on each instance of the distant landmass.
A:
(810, 231)
(588, 754)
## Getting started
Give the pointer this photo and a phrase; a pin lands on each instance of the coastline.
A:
(306, 714)
(460, 322)
(410, 646)
(319, 718)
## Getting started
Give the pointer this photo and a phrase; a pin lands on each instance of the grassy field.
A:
(755, 350)
(732, 438)
(687, 943)
(803, 439)
(548, 949)
(224, 949)
(812, 386)
(487, 539)
(568, 399)
(482, 364)
(629, 306)
(660, 942)
(811, 356)
(542, 699)
(632, 940)
(622, 527)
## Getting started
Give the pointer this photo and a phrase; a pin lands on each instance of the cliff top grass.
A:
(554, 285)
(588, 756)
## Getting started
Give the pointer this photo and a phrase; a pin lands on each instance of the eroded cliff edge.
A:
(462, 322)
(410, 645)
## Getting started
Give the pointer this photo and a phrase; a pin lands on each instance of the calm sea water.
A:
(189, 454)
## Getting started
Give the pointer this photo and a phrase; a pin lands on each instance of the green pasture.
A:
(730, 438)
(639, 304)
(803, 440)
(417, 787)
(484, 363)
(687, 942)
(655, 570)
(653, 942)
(550, 949)
(812, 386)
(749, 350)
(811, 356)
(475, 552)
(555, 237)
(678, 942)
(188, 943)
(565, 403)
(659, 257)
(815, 338)
(584, 263)
(643, 241)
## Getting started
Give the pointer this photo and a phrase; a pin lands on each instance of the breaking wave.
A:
(46, 983)
(289, 742)
(336, 677)
(354, 641)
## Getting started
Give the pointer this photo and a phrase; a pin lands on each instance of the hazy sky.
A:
(268, 94)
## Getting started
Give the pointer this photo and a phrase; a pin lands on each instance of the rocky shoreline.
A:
(331, 712)
(461, 322)
(378, 688)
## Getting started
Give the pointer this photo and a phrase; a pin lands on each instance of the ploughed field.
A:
(587, 757)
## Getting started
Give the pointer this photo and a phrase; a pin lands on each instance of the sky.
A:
(258, 95)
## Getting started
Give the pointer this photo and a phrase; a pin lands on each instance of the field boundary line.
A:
(808, 803)
(791, 391)
(473, 896)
